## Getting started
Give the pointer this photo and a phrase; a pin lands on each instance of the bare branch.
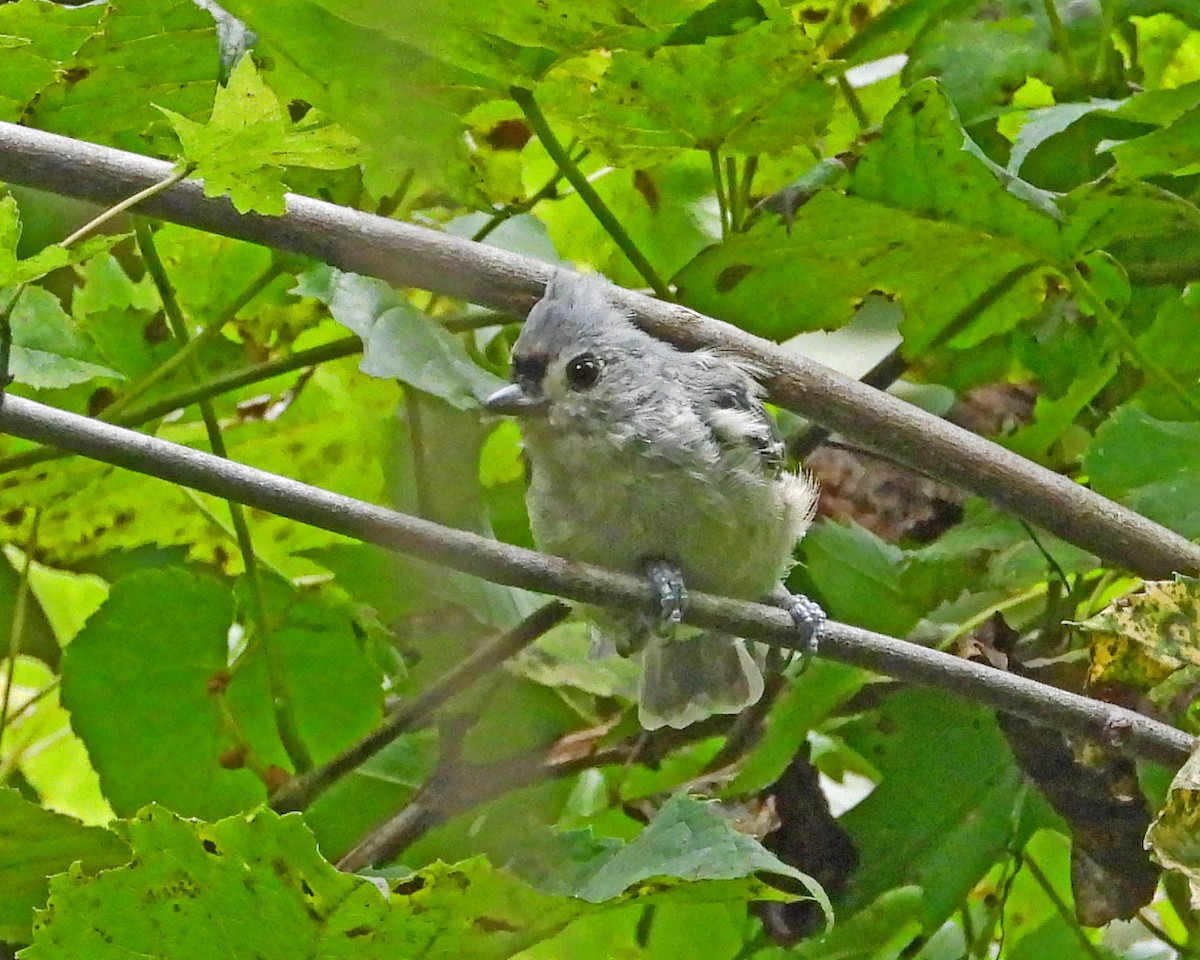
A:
(514, 566)
(299, 792)
(412, 256)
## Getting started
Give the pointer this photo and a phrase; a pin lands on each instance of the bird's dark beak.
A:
(514, 400)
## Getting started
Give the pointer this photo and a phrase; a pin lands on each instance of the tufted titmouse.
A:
(647, 459)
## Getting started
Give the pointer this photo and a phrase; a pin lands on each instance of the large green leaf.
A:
(1150, 465)
(138, 55)
(142, 683)
(40, 36)
(188, 883)
(942, 840)
(715, 95)
(921, 187)
(399, 341)
(35, 844)
(404, 105)
(47, 350)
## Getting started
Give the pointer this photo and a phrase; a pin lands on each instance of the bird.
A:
(652, 460)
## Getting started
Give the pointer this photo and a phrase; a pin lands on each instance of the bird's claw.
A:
(808, 617)
(672, 594)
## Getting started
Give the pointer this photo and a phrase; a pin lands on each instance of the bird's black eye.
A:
(584, 370)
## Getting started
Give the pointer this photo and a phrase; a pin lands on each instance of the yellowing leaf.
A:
(1141, 639)
(1174, 838)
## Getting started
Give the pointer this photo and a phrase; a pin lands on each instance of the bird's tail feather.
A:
(690, 677)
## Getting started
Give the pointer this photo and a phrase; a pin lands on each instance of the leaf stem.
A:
(285, 720)
(1063, 910)
(719, 188)
(853, 102)
(735, 194)
(538, 123)
(1159, 933)
(1105, 45)
(1059, 33)
(1087, 294)
(131, 201)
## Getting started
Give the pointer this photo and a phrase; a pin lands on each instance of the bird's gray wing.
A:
(739, 422)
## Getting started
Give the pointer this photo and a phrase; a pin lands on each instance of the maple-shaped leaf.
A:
(249, 140)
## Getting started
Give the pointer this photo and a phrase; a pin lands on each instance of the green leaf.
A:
(38, 744)
(777, 283)
(335, 693)
(858, 576)
(48, 351)
(249, 140)
(155, 648)
(925, 162)
(403, 105)
(188, 881)
(1045, 123)
(36, 844)
(941, 840)
(1152, 466)
(138, 55)
(14, 271)
(714, 95)
(399, 341)
(1173, 150)
(39, 38)
(688, 839)
(921, 187)
(808, 699)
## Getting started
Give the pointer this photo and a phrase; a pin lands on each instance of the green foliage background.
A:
(1015, 182)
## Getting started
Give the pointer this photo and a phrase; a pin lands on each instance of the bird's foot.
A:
(668, 585)
(806, 614)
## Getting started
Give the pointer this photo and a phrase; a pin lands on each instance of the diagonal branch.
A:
(514, 566)
(413, 256)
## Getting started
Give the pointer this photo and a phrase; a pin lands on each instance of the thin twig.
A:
(735, 194)
(1159, 933)
(185, 396)
(407, 255)
(1063, 910)
(285, 720)
(458, 787)
(299, 792)
(587, 193)
(1125, 730)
